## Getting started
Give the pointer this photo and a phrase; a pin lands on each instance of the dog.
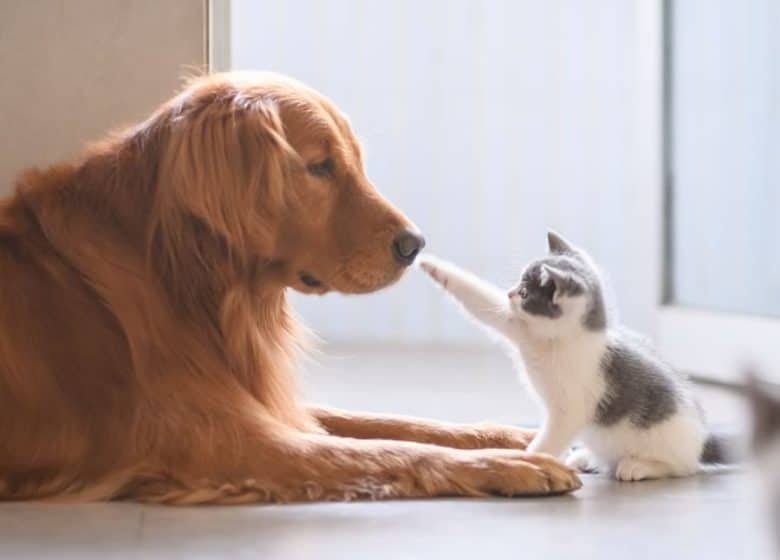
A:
(147, 350)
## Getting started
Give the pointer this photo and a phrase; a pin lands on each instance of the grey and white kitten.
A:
(598, 382)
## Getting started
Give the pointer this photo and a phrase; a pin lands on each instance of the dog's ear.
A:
(226, 164)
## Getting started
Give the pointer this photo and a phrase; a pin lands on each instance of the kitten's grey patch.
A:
(595, 318)
(639, 386)
(539, 299)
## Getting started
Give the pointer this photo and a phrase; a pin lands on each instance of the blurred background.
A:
(646, 131)
(487, 122)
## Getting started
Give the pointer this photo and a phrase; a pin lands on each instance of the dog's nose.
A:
(407, 246)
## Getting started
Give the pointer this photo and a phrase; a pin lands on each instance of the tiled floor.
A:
(713, 515)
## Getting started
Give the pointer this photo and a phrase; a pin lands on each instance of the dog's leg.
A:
(312, 467)
(388, 426)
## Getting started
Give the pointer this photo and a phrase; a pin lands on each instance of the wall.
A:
(487, 122)
(73, 69)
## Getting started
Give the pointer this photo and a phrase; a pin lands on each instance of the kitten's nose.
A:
(516, 293)
(406, 246)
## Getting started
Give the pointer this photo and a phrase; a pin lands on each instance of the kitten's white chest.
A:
(565, 373)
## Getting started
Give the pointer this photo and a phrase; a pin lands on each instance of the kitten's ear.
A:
(565, 282)
(765, 410)
(558, 245)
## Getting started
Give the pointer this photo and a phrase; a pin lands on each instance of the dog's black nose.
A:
(407, 246)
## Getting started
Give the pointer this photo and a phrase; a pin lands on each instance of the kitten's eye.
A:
(523, 293)
(323, 168)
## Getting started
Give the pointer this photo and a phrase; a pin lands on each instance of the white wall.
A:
(487, 122)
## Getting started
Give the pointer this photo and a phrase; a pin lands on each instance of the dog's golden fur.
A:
(146, 346)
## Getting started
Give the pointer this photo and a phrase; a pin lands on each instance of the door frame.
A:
(219, 36)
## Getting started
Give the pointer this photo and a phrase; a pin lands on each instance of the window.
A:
(723, 183)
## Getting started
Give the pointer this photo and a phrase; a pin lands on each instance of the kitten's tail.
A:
(722, 449)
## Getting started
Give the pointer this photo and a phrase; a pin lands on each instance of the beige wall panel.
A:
(73, 69)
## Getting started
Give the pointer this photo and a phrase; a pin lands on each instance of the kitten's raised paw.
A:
(435, 268)
(582, 460)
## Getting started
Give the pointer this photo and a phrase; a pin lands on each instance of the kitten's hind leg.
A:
(582, 460)
(637, 468)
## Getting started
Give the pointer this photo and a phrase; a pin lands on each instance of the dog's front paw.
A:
(505, 472)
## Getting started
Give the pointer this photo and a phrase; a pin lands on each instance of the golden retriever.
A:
(146, 344)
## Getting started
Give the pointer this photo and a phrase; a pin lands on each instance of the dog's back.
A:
(64, 388)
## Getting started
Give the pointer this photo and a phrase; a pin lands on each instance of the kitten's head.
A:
(562, 289)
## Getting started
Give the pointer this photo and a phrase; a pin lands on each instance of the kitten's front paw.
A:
(435, 267)
(632, 469)
(582, 460)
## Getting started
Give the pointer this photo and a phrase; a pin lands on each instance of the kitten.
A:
(599, 383)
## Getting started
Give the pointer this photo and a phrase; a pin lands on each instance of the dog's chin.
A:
(365, 282)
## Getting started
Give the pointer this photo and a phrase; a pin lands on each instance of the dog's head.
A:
(275, 170)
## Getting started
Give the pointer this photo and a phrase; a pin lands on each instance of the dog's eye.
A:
(323, 168)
